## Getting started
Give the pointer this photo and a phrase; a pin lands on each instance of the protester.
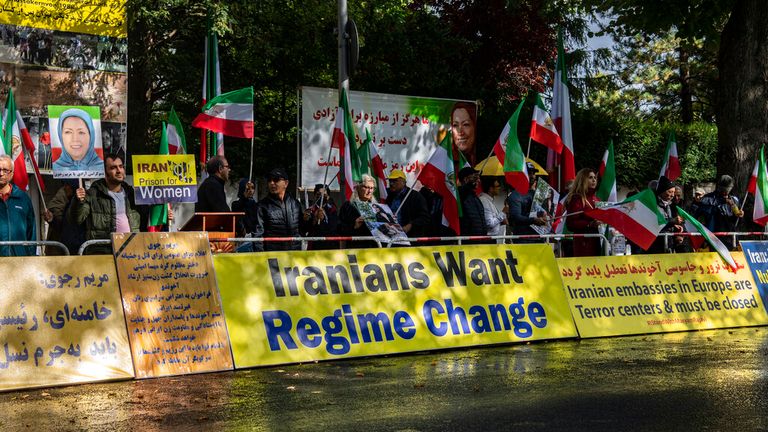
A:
(17, 216)
(666, 201)
(472, 220)
(495, 219)
(245, 203)
(412, 213)
(211, 197)
(720, 210)
(108, 206)
(351, 222)
(580, 199)
(693, 208)
(278, 215)
(323, 219)
(60, 228)
(519, 210)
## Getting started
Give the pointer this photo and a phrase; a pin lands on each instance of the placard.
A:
(623, 295)
(172, 307)
(285, 307)
(160, 179)
(61, 322)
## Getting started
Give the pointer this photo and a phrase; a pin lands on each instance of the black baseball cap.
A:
(278, 173)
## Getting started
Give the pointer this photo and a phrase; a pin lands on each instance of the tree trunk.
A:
(742, 111)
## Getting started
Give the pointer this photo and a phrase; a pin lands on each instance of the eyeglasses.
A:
(368, 187)
(5, 171)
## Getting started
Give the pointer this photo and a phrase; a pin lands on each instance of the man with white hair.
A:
(17, 216)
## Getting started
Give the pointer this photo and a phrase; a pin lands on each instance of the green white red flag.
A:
(376, 165)
(439, 174)
(607, 190)
(11, 130)
(692, 225)
(671, 166)
(158, 213)
(177, 144)
(343, 138)
(637, 218)
(508, 149)
(543, 129)
(230, 114)
(561, 116)
(29, 148)
(760, 212)
(752, 184)
(210, 144)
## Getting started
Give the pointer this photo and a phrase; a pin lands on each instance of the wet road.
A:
(709, 380)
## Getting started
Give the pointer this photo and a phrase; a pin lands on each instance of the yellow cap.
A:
(396, 174)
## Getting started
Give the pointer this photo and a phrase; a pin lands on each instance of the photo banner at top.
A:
(102, 17)
(404, 130)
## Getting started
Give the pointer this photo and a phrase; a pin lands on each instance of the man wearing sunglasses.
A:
(279, 215)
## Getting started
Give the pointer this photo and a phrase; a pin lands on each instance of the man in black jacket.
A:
(279, 215)
(210, 195)
(472, 221)
(412, 213)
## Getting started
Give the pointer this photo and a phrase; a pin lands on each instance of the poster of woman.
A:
(76, 146)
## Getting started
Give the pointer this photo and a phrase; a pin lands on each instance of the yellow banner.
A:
(164, 170)
(61, 322)
(284, 307)
(171, 303)
(98, 17)
(623, 295)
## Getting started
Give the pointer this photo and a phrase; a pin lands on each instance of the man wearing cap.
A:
(519, 210)
(279, 215)
(211, 197)
(410, 209)
(720, 210)
(472, 221)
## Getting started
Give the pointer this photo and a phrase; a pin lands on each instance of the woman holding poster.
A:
(77, 137)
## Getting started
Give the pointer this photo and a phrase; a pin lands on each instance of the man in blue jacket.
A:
(17, 216)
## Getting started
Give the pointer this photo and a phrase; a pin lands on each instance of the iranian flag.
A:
(12, 143)
(671, 167)
(637, 218)
(29, 147)
(158, 213)
(211, 89)
(439, 175)
(760, 212)
(177, 144)
(230, 113)
(752, 184)
(376, 166)
(515, 169)
(607, 189)
(692, 225)
(543, 130)
(343, 138)
(561, 116)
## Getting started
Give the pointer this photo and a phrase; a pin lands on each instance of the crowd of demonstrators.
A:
(581, 199)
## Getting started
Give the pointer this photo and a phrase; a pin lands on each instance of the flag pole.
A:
(528, 153)
(250, 170)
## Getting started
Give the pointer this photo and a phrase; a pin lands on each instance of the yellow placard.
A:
(98, 17)
(61, 322)
(164, 170)
(285, 307)
(172, 306)
(623, 295)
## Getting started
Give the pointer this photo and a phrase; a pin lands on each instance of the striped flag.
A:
(230, 113)
(543, 130)
(561, 116)
(692, 225)
(343, 138)
(607, 189)
(671, 166)
(376, 165)
(515, 169)
(752, 184)
(211, 89)
(637, 217)
(177, 144)
(760, 212)
(29, 147)
(12, 145)
(158, 213)
(439, 175)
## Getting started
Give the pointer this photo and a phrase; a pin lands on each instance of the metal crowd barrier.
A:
(35, 243)
(89, 243)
